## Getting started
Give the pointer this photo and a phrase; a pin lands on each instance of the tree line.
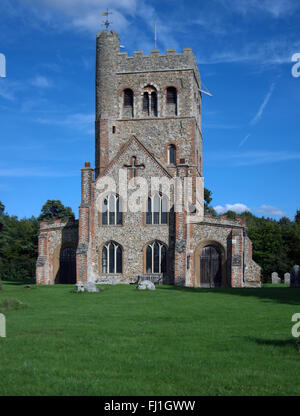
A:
(276, 244)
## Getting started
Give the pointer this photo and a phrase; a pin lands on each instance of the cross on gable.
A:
(133, 167)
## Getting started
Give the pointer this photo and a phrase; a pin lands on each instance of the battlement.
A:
(156, 62)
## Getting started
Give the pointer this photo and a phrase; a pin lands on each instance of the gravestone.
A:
(295, 276)
(80, 287)
(2, 326)
(145, 284)
(91, 287)
(156, 278)
(108, 280)
(275, 278)
(287, 278)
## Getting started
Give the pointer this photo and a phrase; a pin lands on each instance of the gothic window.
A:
(172, 101)
(172, 154)
(111, 210)
(156, 258)
(150, 101)
(128, 103)
(112, 258)
(157, 209)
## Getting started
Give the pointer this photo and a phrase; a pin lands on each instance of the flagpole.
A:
(155, 34)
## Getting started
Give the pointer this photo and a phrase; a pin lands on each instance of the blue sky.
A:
(243, 49)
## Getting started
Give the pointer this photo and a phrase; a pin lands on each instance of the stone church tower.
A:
(148, 131)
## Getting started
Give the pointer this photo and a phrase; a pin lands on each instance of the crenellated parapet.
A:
(157, 62)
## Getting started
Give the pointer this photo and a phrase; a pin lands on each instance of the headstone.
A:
(275, 278)
(156, 278)
(90, 287)
(295, 276)
(80, 287)
(2, 326)
(287, 278)
(107, 280)
(146, 284)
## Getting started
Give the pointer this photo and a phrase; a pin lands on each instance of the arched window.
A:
(150, 101)
(157, 209)
(172, 154)
(128, 103)
(111, 210)
(112, 258)
(156, 258)
(172, 101)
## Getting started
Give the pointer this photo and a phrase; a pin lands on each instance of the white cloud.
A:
(221, 126)
(41, 82)
(252, 158)
(80, 121)
(6, 93)
(259, 114)
(275, 8)
(85, 15)
(9, 89)
(238, 208)
(34, 172)
(272, 52)
(270, 211)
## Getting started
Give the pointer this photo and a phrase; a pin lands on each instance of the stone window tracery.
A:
(150, 102)
(112, 258)
(156, 258)
(157, 209)
(111, 210)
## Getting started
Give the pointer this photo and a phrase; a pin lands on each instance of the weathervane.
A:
(107, 23)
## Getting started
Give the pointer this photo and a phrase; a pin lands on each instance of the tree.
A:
(55, 210)
(231, 215)
(2, 209)
(18, 246)
(207, 196)
(208, 209)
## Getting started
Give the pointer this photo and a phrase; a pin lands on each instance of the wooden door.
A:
(210, 267)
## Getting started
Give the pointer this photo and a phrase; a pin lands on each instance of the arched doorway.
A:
(67, 266)
(210, 266)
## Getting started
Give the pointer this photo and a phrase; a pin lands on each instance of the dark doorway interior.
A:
(67, 266)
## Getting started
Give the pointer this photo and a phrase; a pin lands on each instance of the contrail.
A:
(263, 105)
(244, 140)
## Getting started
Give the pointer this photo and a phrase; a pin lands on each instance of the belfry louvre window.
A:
(146, 103)
(157, 209)
(153, 104)
(112, 258)
(172, 101)
(111, 210)
(156, 258)
(128, 102)
(171, 95)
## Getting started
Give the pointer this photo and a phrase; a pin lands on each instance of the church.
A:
(141, 214)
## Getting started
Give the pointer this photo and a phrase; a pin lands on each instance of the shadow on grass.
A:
(19, 282)
(281, 343)
(286, 295)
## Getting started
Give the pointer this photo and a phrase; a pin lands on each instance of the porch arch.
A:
(197, 261)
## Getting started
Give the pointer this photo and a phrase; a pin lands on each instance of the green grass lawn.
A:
(172, 341)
